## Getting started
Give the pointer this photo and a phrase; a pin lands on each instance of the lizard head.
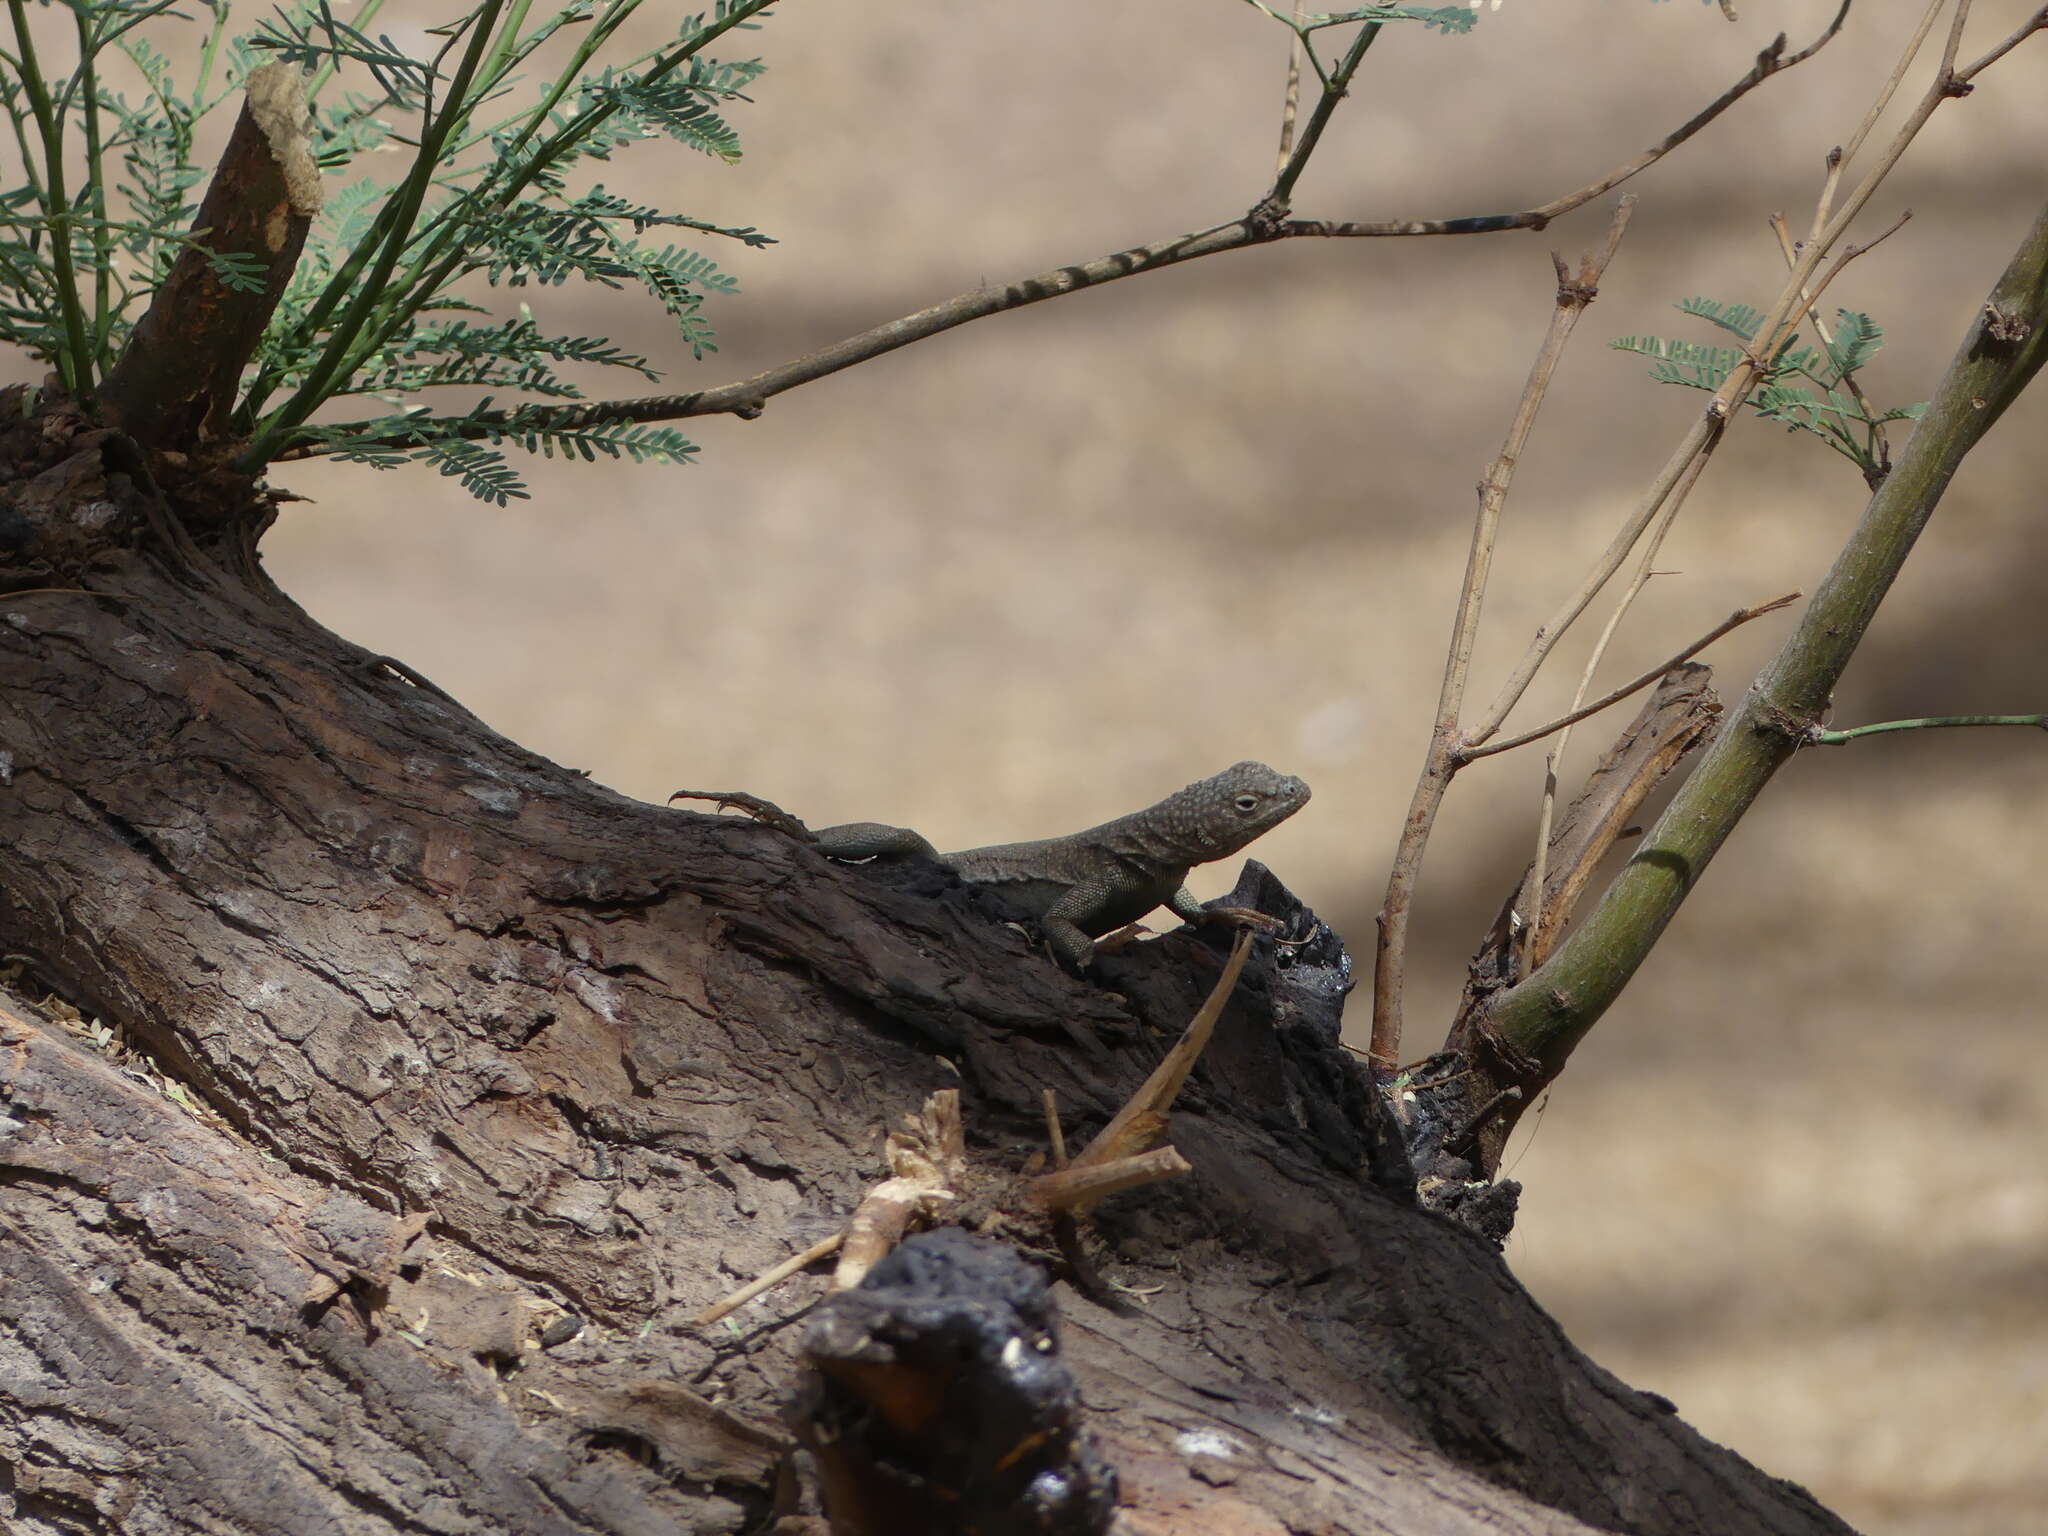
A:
(1220, 815)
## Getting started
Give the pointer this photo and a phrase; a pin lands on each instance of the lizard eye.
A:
(1247, 803)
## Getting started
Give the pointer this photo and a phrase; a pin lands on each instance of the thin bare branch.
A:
(1086, 1184)
(1954, 44)
(1941, 89)
(1771, 61)
(1574, 293)
(1275, 202)
(1055, 1137)
(824, 1248)
(1824, 204)
(2037, 22)
(1735, 620)
(1698, 442)
(1849, 254)
(747, 398)
(1884, 96)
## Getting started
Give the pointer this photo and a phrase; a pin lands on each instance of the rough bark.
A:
(494, 1050)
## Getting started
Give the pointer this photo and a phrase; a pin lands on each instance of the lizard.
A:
(1088, 883)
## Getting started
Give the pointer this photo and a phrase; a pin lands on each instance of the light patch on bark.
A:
(277, 101)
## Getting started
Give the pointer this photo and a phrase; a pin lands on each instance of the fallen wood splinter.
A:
(1141, 1124)
(926, 1160)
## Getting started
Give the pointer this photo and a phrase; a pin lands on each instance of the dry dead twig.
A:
(1141, 1124)
(1575, 291)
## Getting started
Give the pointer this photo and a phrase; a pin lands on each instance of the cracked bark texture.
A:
(495, 1053)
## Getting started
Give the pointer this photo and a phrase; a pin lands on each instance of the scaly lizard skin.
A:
(1085, 885)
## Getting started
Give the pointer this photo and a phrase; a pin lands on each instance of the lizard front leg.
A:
(1185, 906)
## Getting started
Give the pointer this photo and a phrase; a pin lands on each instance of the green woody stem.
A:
(1545, 1017)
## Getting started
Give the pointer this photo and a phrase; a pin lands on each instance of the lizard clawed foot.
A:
(1245, 917)
(767, 812)
(1121, 939)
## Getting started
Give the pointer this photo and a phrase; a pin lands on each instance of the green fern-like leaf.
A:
(483, 471)
(1738, 319)
(1681, 362)
(513, 354)
(1451, 20)
(680, 108)
(1793, 405)
(466, 446)
(1857, 339)
(628, 440)
(1832, 408)
(242, 271)
(311, 36)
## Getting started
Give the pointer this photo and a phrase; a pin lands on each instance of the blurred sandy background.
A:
(1039, 571)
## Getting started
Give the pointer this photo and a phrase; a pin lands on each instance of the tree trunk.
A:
(458, 1049)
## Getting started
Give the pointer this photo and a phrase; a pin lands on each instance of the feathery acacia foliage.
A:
(1839, 415)
(498, 127)
(500, 124)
